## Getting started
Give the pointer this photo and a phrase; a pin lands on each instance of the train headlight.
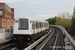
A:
(28, 38)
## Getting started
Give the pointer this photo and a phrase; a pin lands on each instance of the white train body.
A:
(28, 29)
(32, 26)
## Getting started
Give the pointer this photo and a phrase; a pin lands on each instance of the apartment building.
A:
(6, 16)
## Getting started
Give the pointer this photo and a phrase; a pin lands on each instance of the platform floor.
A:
(1, 42)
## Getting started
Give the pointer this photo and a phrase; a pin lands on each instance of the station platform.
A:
(4, 41)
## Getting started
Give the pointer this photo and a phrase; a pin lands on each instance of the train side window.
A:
(30, 21)
(16, 21)
(44, 24)
(32, 24)
(36, 24)
(40, 24)
(47, 24)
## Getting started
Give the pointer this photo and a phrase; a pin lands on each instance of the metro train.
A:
(28, 29)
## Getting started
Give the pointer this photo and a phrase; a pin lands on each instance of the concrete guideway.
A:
(49, 42)
(38, 41)
(54, 39)
(45, 41)
(69, 41)
(57, 41)
(1, 42)
(54, 43)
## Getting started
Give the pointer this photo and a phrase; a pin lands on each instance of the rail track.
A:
(35, 44)
(14, 48)
(52, 41)
(49, 41)
(10, 46)
(7, 45)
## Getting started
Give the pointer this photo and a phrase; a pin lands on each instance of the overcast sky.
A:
(40, 9)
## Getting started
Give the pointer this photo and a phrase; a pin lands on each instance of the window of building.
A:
(8, 22)
(1, 17)
(11, 22)
(1, 12)
(3, 22)
(4, 27)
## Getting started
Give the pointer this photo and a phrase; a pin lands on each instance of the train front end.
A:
(21, 31)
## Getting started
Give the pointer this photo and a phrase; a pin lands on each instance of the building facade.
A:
(6, 16)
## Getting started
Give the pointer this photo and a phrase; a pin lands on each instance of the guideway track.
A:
(49, 41)
(38, 41)
(8, 47)
(55, 42)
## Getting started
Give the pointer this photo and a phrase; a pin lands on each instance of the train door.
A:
(33, 26)
(38, 26)
(41, 26)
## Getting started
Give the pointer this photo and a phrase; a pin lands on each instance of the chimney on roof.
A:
(12, 10)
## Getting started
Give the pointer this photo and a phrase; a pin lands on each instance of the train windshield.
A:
(23, 24)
